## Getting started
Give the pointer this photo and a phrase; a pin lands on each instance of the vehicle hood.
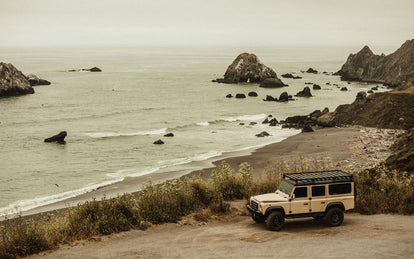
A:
(268, 197)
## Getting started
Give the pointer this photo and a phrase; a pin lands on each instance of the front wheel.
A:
(334, 217)
(258, 219)
(275, 221)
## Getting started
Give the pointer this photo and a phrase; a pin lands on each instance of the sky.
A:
(205, 22)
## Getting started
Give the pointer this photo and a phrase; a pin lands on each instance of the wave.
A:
(132, 172)
(205, 123)
(255, 117)
(121, 134)
(26, 205)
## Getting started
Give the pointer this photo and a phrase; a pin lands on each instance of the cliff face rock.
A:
(393, 109)
(393, 70)
(13, 82)
(247, 68)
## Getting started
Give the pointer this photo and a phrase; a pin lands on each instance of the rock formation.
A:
(247, 68)
(306, 92)
(289, 75)
(312, 71)
(94, 69)
(272, 83)
(59, 138)
(35, 80)
(392, 70)
(252, 94)
(13, 82)
(262, 134)
(158, 142)
(240, 96)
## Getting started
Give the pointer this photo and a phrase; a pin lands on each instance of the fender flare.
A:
(274, 208)
(335, 204)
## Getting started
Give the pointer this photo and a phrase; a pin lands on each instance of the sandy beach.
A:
(345, 148)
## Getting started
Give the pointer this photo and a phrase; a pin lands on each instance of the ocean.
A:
(113, 117)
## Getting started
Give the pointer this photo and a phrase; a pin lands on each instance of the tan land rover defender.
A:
(322, 195)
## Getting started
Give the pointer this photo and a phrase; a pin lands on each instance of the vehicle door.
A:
(300, 201)
(318, 198)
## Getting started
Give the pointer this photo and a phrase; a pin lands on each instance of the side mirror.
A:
(292, 197)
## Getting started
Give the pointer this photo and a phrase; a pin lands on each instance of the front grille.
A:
(254, 205)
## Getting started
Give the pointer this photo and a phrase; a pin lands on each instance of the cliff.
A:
(392, 70)
(393, 109)
(247, 68)
(13, 82)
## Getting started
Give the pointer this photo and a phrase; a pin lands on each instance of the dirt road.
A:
(360, 236)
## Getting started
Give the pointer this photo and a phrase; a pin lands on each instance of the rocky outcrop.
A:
(35, 80)
(306, 92)
(392, 70)
(59, 138)
(316, 87)
(94, 69)
(289, 75)
(13, 82)
(158, 142)
(252, 94)
(272, 83)
(403, 156)
(247, 68)
(240, 96)
(312, 71)
(262, 134)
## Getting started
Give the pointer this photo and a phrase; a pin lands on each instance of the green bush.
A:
(382, 190)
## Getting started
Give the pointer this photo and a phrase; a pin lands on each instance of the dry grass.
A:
(379, 190)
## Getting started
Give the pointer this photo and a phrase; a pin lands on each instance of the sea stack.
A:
(13, 82)
(247, 68)
(392, 70)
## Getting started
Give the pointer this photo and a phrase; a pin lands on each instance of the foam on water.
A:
(120, 134)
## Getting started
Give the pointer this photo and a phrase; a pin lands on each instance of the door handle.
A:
(306, 204)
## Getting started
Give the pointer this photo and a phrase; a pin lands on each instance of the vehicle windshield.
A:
(285, 187)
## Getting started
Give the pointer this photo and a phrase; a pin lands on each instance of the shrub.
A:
(382, 190)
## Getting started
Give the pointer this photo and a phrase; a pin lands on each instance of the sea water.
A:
(113, 117)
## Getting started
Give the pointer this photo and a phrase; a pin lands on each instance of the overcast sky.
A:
(207, 22)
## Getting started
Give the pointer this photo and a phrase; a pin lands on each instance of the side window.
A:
(301, 192)
(339, 188)
(318, 191)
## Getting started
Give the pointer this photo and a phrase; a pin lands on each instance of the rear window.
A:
(339, 188)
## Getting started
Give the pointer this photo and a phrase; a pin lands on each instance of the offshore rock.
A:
(289, 75)
(311, 70)
(252, 94)
(284, 97)
(240, 96)
(306, 92)
(59, 138)
(158, 142)
(13, 82)
(35, 80)
(272, 83)
(262, 134)
(247, 68)
(393, 70)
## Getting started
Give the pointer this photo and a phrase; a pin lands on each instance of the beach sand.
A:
(343, 148)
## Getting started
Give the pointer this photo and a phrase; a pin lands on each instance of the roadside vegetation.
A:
(379, 190)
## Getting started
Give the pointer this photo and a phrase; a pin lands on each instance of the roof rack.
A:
(330, 176)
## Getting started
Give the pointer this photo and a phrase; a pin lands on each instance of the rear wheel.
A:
(334, 217)
(275, 221)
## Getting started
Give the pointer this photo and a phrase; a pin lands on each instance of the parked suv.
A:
(322, 195)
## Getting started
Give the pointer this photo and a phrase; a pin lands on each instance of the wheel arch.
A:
(335, 204)
(275, 208)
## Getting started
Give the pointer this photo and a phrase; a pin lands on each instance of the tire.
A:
(275, 221)
(258, 219)
(334, 217)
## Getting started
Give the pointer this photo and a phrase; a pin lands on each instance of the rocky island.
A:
(13, 82)
(248, 68)
(392, 70)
